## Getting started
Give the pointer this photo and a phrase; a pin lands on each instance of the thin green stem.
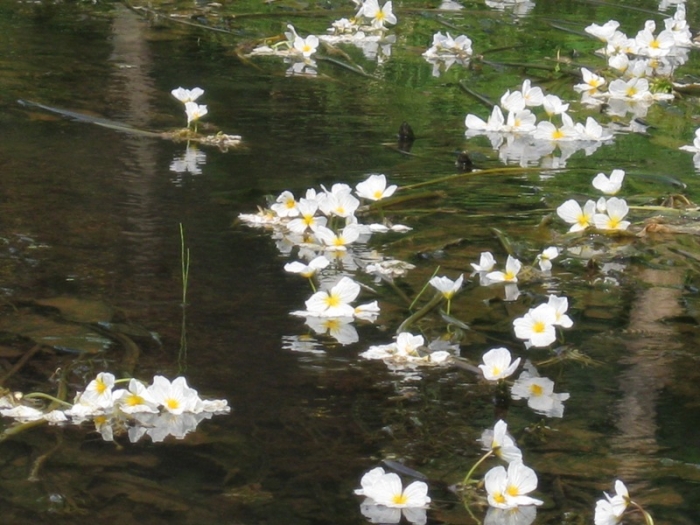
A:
(467, 478)
(41, 395)
(425, 286)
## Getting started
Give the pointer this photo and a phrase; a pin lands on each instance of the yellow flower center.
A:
(340, 210)
(631, 91)
(538, 327)
(654, 44)
(378, 194)
(380, 16)
(399, 499)
(172, 404)
(512, 490)
(100, 386)
(306, 48)
(536, 390)
(495, 371)
(290, 204)
(499, 497)
(308, 219)
(338, 241)
(557, 134)
(583, 220)
(509, 276)
(613, 223)
(332, 300)
(134, 400)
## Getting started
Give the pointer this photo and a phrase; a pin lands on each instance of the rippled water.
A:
(90, 212)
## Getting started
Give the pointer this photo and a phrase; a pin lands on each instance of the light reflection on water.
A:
(105, 208)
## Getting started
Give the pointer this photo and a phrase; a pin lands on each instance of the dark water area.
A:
(93, 213)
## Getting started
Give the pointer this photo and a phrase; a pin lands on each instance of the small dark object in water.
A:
(406, 137)
(463, 162)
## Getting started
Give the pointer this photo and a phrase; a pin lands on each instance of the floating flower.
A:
(305, 46)
(537, 326)
(610, 185)
(336, 301)
(616, 210)
(494, 123)
(545, 258)
(560, 305)
(136, 398)
(307, 219)
(553, 105)
(285, 205)
(339, 328)
(375, 188)
(509, 489)
(572, 213)
(513, 266)
(500, 442)
(338, 241)
(486, 262)
(386, 489)
(539, 392)
(497, 364)
(370, 9)
(604, 32)
(447, 287)
(609, 511)
(175, 397)
(307, 270)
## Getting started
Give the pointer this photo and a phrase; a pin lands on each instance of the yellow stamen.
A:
(172, 404)
(399, 499)
(539, 327)
(536, 390)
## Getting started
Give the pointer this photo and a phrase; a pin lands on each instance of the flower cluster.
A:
(605, 214)
(408, 351)
(447, 51)
(520, 137)
(160, 409)
(193, 110)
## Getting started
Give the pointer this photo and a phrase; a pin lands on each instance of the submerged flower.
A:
(497, 364)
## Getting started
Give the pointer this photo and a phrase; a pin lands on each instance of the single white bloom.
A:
(609, 511)
(616, 210)
(98, 393)
(539, 392)
(305, 46)
(513, 266)
(604, 32)
(592, 130)
(572, 213)
(375, 188)
(545, 258)
(513, 102)
(136, 399)
(336, 301)
(175, 397)
(339, 241)
(610, 185)
(339, 328)
(497, 364)
(537, 326)
(553, 105)
(307, 270)
(486, 262)
(408, 344)
(447, 286)
(339, 201)
(307, 219)
(368, 480)
(560, 305)
(285, 205)
(387, 490)
(501, 442)
(370, 9)
(508, 489)
(533, 96)
(591, 82)
(368, 311)
(494, 123)
(632, 89)
(187, 95)
(194, 111)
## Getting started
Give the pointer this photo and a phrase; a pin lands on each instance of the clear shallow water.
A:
(90, 212)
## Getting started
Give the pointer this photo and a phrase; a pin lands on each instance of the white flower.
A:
(501, 442)
(306, 46)
(513, 266)
(616, 210)
(339, 328)
(336, 301)
(98, 393)
(136, 399)
(375, 188)
(368, 311)
(633, 89)
(447, 286)
(571, 213)
(194, 111)
(513, 102)
(22, 413)
(486, 262)
(386, 489)
(308, 220)
(533, 96)
(307, 270)
(539, 392)
(339, 201)
(560, 305)
(339, 241)
(609, 511)
(408, 344)
(545, 258)
(370, 9)
(695, 148)
(537, 326)
(285, 205)
(553, 105)
(175, 397)
(591, 82)
(494, 123)
(508, 489)
(604, 32)
(610, 185)
(187, 95)
(548, 131)
(497, 364)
